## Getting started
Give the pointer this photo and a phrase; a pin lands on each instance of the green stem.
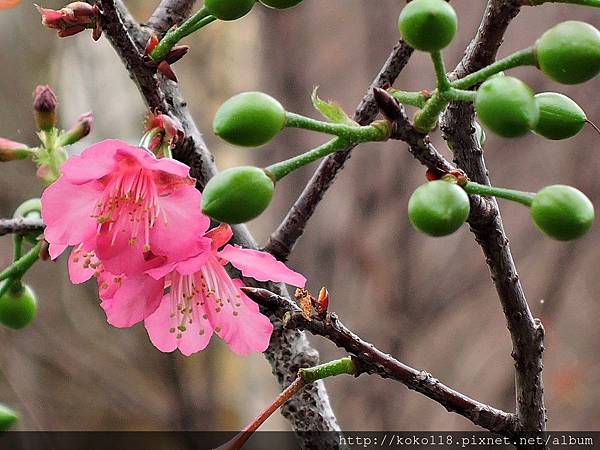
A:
(355, 134)
(281, 169)
(329, 369)
(461, 95)
(17, 247)
(525, 198)
(18, 268)
(417, 99)
(525, 57)
(443, 83)
(427, 118)
(200, 19)
(593, 3)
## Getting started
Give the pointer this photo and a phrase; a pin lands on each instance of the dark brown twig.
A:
(289, 349)
(527, 333)
(21, 226)
(169, 13)
(283, 239)
(371, 360)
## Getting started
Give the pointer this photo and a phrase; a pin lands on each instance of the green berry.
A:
(506, 106)
(560, 117)
(428, 25)
(280, 4)
(18, 306)
(562, 212)
(237, 195)
(438, 208)
(8, 417)
(569, 52)
(229, 9)
(249, 119)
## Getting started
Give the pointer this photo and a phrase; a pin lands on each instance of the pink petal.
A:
(55, 250)
(94, 162)
(176, 232)
(67, 211)
(108, 284)
(246, 333)
(159, 326)
(77, 272)
(136, 299)
(261, 266)
(117, 252)
(146, 160)
(220, 235)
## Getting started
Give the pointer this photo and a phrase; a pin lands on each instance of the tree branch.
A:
(21, 226)
(289, 349)
(526, 332)
(169, 13)
(373, 361)
(283, 239)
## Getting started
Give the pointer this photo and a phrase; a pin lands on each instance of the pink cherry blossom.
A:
(202, 298)
(124, 206)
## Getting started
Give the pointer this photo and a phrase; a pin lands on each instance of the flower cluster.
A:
(134, 223)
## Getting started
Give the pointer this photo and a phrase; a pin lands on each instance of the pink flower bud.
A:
(44, 107)
(81, 129)
(169, 128)
(11, 150)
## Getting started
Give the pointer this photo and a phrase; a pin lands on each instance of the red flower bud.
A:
(169, 131)
(44, 107)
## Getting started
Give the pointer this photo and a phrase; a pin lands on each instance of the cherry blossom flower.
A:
(125, 207)
(202, 299)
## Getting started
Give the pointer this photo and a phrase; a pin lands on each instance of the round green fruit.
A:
(428, 25)
(506, 106)
(438, 208)
(280, 4)
(229, 9)
(18, 306)
(8, 417)
(562, 212)
(569, 52)
(560, 117)
(237, 195)
(249, 119)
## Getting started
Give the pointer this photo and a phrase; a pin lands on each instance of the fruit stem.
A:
(594, 3)
(417, 99)
(461, 95)
(18, 268)
(305, 376)
(198, 20)
(281, 169)
(525, 57)
(373, 132)
(426, 119)
(443, 83)
(593, 125)
(525, 198)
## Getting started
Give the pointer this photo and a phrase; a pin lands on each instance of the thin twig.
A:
(283, 239)
(371, 360)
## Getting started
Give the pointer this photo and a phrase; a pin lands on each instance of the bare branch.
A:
(283, 239)
(21, 226)
(373, 361)
(169, 13)
(289, 349)
(526, 332)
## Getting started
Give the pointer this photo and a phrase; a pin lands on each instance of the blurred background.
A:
(430, 302)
